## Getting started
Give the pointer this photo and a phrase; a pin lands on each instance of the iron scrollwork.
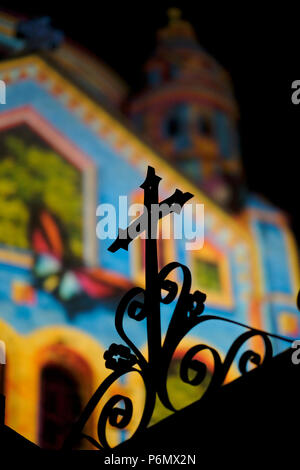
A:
(145, 305)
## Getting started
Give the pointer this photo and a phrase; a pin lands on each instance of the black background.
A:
(258, 47)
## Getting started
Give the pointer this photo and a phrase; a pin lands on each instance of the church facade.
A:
(71, 140)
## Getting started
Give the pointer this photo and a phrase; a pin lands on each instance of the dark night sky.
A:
(258, 48)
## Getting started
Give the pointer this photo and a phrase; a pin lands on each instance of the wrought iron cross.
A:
(148, 222)
(188, 312)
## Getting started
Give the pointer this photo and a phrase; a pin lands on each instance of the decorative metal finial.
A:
(174, 14)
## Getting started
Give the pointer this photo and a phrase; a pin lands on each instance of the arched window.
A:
(60, 406)
(173, 126)
(177, 123)
(206, 126)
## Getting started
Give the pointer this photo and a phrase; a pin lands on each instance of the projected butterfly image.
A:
(57, 271)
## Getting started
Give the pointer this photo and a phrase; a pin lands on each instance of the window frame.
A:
(210, 253)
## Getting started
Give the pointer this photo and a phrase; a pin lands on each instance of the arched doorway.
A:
(60, 405)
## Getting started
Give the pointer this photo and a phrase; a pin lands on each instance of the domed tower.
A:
(188, 112)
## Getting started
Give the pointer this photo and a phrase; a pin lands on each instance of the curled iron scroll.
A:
(188, 312)
(145, 305)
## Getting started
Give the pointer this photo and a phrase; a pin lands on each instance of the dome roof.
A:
(179, 62)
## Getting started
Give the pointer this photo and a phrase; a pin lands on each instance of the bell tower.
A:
(188, 113)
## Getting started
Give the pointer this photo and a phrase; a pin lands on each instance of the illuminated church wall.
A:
(62, 154)
(279, 268)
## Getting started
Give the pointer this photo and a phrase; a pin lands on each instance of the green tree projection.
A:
(31, 173)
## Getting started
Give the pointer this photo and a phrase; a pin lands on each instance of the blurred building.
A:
(65, 147)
